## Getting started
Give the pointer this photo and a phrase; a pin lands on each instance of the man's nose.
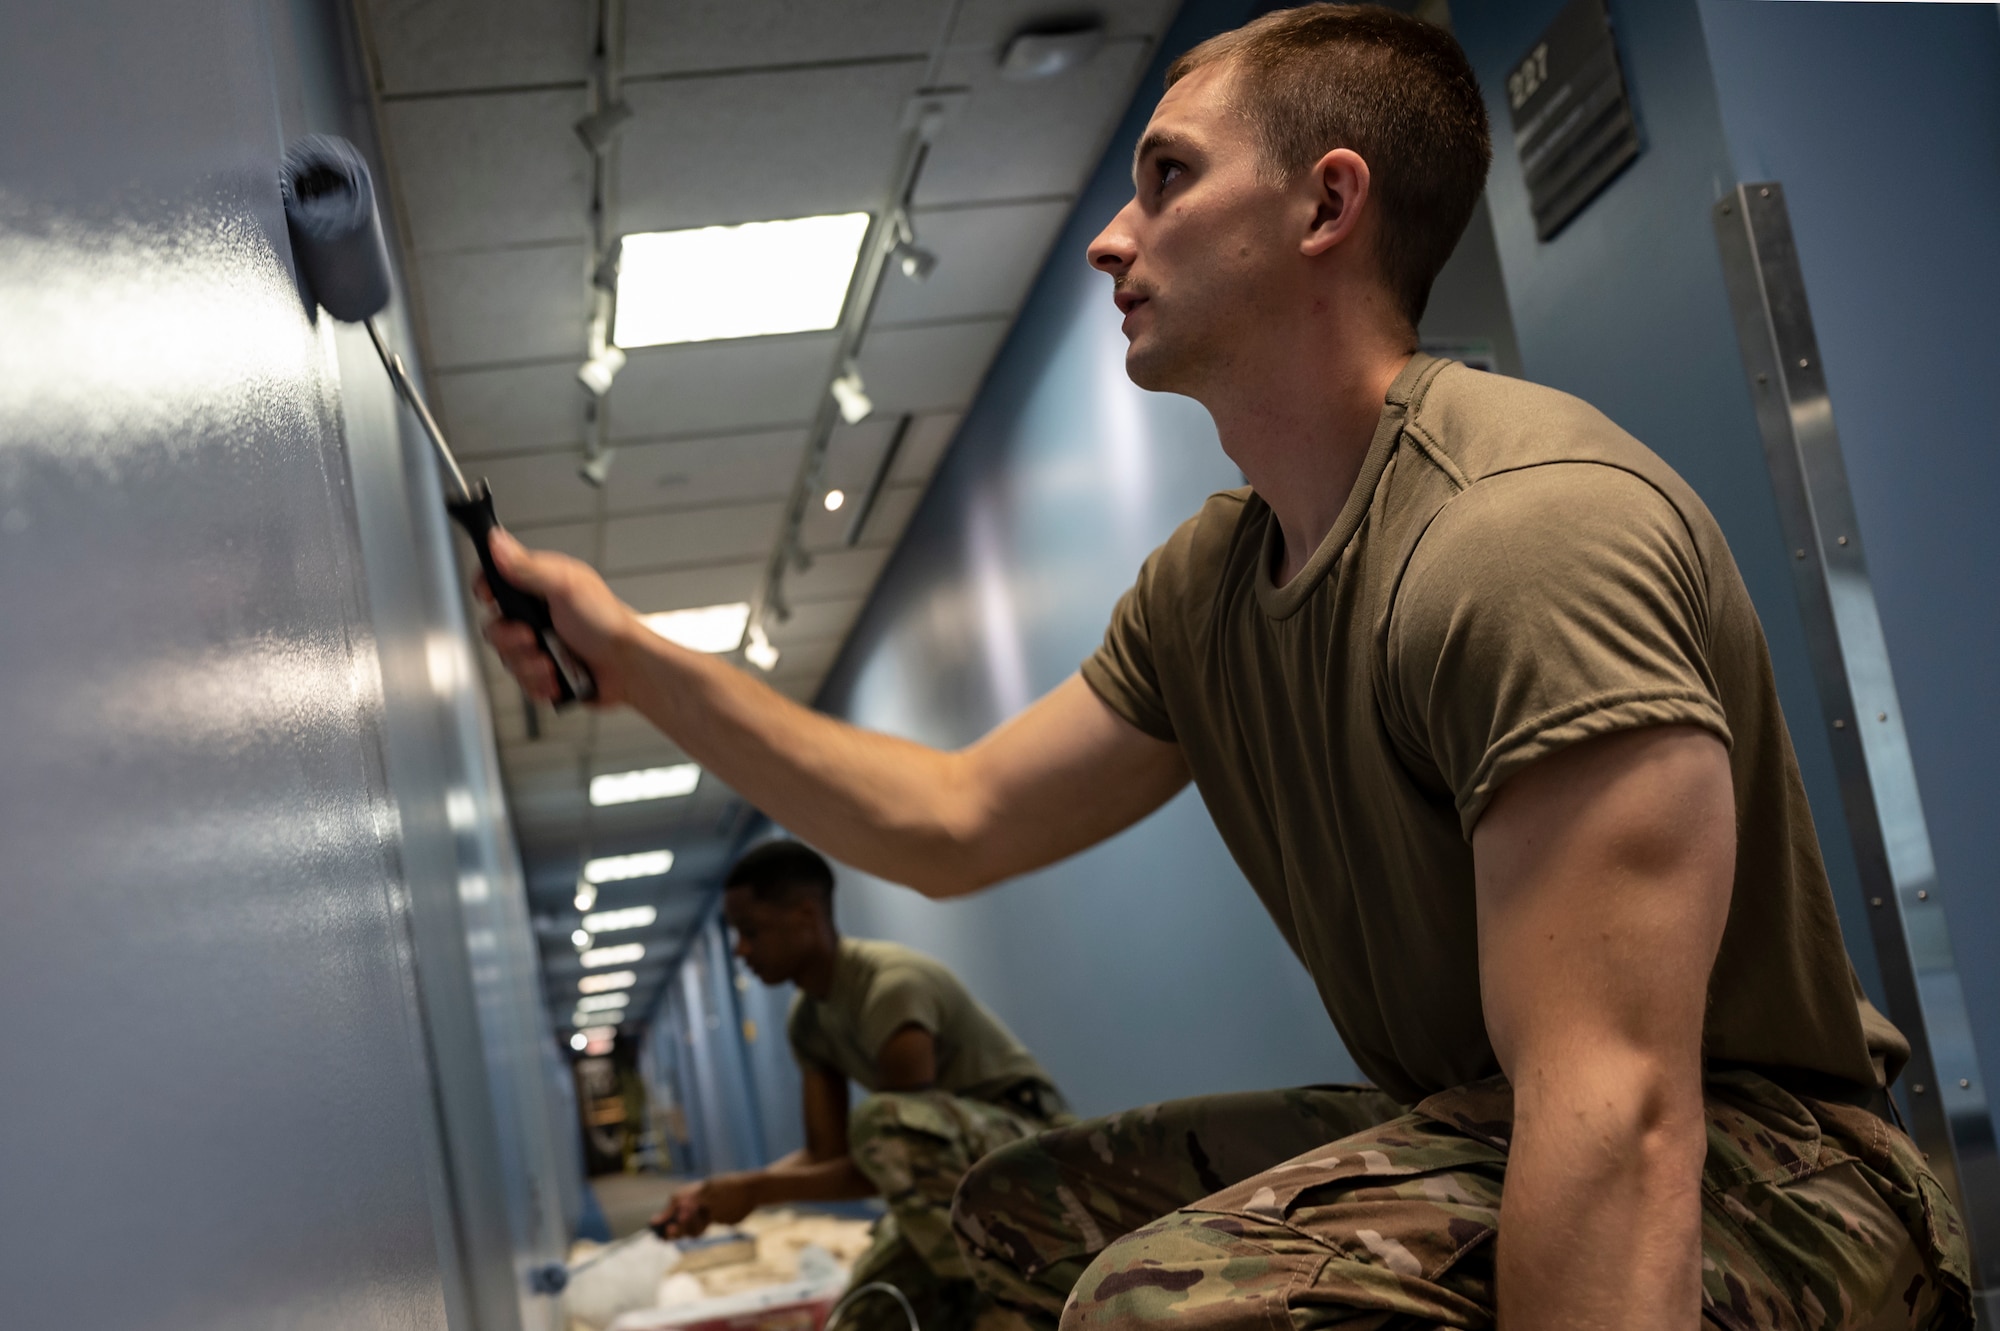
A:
(1114, 249)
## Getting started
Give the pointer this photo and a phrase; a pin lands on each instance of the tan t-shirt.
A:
(881, 987)
(1512, 574)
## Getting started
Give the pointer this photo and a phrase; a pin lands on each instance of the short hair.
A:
(1392, 88)
(780, 872)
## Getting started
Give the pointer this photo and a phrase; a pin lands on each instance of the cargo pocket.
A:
(1395, 1211)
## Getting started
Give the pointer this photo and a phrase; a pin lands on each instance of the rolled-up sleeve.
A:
(1544, 607)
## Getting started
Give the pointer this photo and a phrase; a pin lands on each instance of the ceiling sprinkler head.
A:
(917, 262)
(596, 468)
(1048, 49)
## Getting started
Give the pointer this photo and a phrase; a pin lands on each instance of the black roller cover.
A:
(336, 230)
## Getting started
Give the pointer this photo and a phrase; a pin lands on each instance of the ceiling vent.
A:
(1045, 50)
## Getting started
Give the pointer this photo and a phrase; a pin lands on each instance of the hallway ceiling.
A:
(744, 110)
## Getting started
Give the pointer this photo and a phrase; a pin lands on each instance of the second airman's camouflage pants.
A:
(1330, 1207)
(915, 1146)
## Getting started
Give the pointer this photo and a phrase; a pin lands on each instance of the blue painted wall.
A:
(1882, 121)
(273, 1053)
(1626, 308)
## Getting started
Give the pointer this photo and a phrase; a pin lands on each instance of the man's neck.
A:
(815, 978)
(1300, 437)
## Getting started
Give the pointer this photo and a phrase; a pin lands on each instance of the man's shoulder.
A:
(1202, 546)
(1473, 424)
(882, 961)
(1480, 427)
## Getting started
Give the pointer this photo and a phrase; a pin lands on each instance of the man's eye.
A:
(1169, 171)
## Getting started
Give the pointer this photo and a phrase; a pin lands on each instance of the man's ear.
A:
(1340, 186)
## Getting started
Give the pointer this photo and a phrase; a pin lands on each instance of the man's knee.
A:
(876, 1116)
(1201, 1271)
(994, 1187)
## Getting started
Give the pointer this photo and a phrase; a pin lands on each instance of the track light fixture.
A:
(852, 395)
(600, 127)
(597, 373)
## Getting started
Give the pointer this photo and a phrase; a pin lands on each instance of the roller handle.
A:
(475, 514)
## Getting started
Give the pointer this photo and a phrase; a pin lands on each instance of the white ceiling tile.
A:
(681, 589)
(578, 539)
(854, 451)
(987, 259)
(490, 169)
(750, 147)
(514, 410)
(1024, 140)
(984, 26)
(632, 737)
(810, 657)
(930, 367)
(894, 508)
(443, 45)
(486, 306)
(663, 36)
(883, 524)
(697, 535)
(799, 688)
(837, 576)
(702, 386)
(537, 488)
(923, 447)
(687, 472)
(818, 619)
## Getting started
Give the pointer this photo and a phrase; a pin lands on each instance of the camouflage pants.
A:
(915, 1147)
(1208, 1215)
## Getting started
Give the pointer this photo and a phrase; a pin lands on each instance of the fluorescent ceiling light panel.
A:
(604, 984)
(602, 1003)
(736, 281)
(617, 868)
(649, 783)
(704, 628)
(629, 917)
(619, 955)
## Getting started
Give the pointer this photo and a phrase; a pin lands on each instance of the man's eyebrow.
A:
(1157, 140)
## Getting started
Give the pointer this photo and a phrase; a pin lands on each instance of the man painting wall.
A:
(946, 1083)
(1472, 688)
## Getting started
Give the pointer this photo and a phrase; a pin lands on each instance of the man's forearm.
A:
(883, 804)
(1600, 1221)
(798, 1179)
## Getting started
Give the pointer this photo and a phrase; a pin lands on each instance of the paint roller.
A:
(337, 241)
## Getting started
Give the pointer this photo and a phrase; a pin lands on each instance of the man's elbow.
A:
(1643, 1109)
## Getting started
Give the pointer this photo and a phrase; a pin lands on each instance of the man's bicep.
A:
(1061, 776)
(1603, 878)
(825, 1094)
(907, 1060)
